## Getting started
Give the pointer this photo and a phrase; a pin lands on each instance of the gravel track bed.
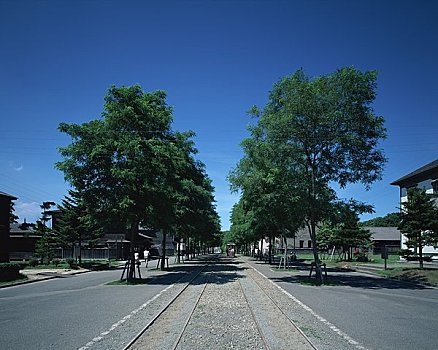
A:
(230, 314)
(222, 319)
(164, 332)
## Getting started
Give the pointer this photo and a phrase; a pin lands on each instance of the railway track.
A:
(222, 306)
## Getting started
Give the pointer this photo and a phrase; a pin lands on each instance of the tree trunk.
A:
(270, 248)
(163, 250)
(80, 248)
(178, 251)
(261, 248)
(285, 251)
(313, 228)
(131, 265)
(315, 252)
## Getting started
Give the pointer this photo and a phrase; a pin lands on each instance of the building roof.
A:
(418, 175)
(22, 229)
(384, 233)
(7, 195)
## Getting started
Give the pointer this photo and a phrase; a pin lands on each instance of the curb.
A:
(43, 278)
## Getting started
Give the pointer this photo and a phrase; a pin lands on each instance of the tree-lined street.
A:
(70, 312)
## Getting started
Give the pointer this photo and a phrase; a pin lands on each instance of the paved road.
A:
(68, 313)
(377, 313)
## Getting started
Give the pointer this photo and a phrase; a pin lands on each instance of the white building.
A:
(425, 177)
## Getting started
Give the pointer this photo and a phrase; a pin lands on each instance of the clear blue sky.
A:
(215, 59)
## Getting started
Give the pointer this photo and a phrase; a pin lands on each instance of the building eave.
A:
(417, 175)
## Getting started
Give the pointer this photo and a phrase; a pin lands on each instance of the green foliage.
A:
(130, 167)
(9, 271)
(312, 133)
(45, 245)
(419, 221)
(33, 262)
(71, 263)
(389, 220)
(342, 230)
(75, 224)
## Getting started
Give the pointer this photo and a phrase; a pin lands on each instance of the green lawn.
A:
(372, 258)
(427, 276)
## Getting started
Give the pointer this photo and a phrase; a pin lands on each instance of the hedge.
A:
(9, 271)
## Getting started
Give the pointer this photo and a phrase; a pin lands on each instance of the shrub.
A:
(71, 263)
(56, 262)
(23, 264)
(9, 271)
(33, 262)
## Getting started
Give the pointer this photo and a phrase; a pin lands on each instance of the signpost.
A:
(385, 254)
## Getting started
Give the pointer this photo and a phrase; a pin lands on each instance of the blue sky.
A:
(215, 59)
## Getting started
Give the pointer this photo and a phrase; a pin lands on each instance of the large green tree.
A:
(326, 132)
(130, 163)
(268, 189)
(419, 221)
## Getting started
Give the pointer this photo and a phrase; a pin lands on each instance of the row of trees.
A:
(129, 168)
(312, 134)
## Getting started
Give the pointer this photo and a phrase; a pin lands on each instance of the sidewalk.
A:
(35, 275)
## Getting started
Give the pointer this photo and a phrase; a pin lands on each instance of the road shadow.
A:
(355, 281)
(218, 271)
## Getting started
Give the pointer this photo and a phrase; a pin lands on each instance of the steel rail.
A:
(178, 340)
(281, 310)
(155, 318)
(259, 329)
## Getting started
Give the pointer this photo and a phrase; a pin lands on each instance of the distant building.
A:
(22, 238)
(385, 236)
(301, 243)
(426, 178)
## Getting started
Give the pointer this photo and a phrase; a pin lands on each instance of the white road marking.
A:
(123, 320)
(345, 336)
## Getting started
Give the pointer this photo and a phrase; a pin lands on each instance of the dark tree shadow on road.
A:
(356, 281)
(218, 272)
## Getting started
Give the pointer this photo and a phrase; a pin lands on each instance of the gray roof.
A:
(384, 233)
(418, 175)
(21, 229)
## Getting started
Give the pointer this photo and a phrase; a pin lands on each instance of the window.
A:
(309, 244)
(301, 244)
(435, 186)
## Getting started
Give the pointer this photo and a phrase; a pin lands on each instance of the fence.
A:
(88, 253)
